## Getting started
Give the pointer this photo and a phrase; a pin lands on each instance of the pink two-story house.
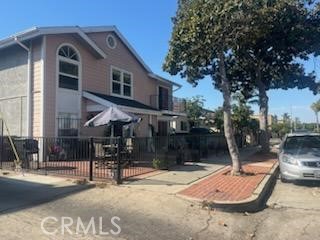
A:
(53, 79)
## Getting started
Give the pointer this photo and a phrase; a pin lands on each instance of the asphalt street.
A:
(293, 213)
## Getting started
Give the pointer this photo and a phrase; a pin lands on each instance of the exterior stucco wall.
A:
(13, 90)
(121, 57)
(95, 74)
(52, 44)
(36, 88)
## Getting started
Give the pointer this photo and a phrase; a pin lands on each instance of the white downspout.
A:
(29, 87)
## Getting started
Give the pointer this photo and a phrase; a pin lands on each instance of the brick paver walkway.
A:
(221, 186)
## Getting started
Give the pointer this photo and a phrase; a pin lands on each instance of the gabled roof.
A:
(39, 31)
(82, 32)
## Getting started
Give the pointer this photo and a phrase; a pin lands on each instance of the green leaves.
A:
(316, 106)
(194, 108)
(201, 27)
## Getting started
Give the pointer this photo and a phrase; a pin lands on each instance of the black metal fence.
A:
(108, 158)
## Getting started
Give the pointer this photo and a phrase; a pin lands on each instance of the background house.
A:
(272, 119)
(53, 79)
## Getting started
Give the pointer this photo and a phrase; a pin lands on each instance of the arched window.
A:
(69, 63)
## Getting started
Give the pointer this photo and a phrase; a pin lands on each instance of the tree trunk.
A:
(228, 129)
(263, 104)
(317, 119)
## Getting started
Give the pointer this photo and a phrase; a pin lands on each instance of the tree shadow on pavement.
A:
(16, 195)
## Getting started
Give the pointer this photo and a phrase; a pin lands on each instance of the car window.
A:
(302, 142)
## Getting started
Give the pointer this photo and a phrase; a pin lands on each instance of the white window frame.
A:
(71, 61)
(114, 40)
(122, 84)
(77, 92)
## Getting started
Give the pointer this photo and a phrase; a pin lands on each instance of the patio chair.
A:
(106, 156)
(126, 152)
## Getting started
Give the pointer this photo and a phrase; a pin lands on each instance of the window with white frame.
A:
(121, 83)
(68, 68)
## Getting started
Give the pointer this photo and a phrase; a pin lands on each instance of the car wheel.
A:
(282, 179)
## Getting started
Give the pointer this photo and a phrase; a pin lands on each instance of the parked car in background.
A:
(299, 157)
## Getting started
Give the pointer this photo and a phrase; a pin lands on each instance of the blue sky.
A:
(147, 25)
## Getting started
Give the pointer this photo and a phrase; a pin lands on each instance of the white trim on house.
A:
(113, 39)
(79, 91)
(122, 38)
(122, 71)
(103, 104)
(71, 61)
(81, 31)
(39, 31)
(43, 82)
(161, 79)
(91, 43)
(99, 108)
(173, 113)
(96, 99)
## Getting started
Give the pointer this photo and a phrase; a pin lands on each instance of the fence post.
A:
(200, 148)
(155, 139)
(119, 180)
(91, 159)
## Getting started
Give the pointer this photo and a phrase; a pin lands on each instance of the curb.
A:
(256, 201)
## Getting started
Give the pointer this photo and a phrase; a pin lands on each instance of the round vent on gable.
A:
(111, 41)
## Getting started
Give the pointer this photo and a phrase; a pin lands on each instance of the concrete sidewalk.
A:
(181, 177)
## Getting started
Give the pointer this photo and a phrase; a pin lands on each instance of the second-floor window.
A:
(121, 83)
(68, 68)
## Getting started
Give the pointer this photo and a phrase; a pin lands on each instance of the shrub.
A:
(162, 163)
